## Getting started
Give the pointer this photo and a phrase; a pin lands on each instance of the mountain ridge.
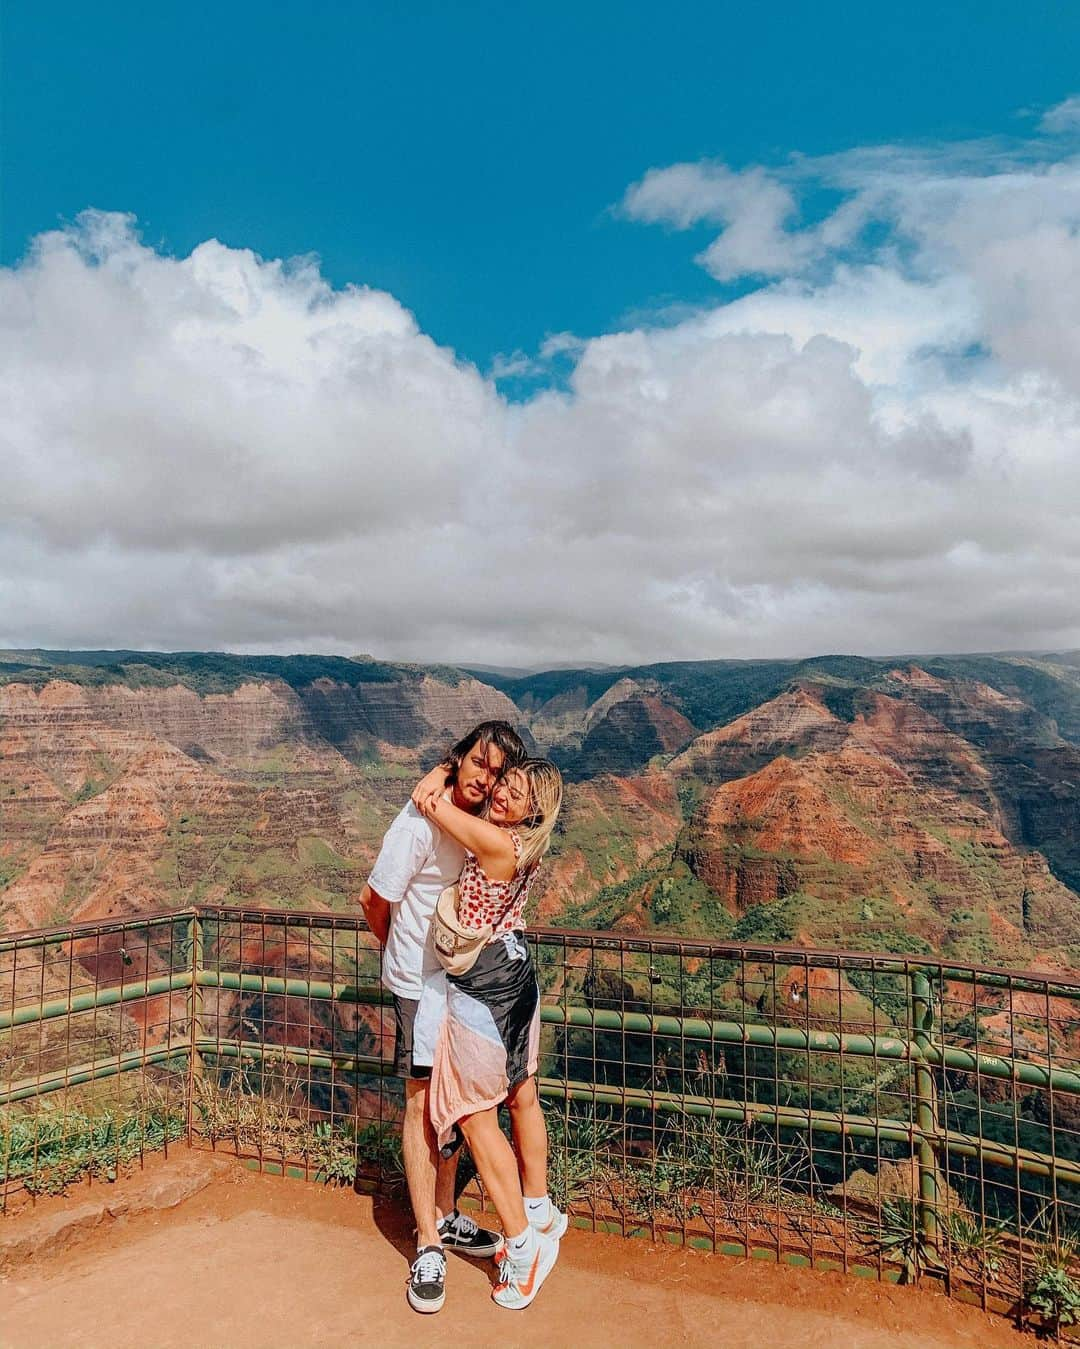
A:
(928, 805)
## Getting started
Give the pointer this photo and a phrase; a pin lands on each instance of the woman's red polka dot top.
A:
(481, 900)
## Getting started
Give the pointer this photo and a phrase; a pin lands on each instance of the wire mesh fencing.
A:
(93, 1049)
(867, 1112)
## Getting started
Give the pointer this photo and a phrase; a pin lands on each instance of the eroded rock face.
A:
(854, 824)
(866, 1191)
(116, 800)
(630, 723)
(1034, 774)
(796, 721)
(914, 802)
(632, 731)
(609, 828)
(420, 714)
(65, 722)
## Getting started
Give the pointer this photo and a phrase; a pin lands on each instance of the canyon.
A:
(924, 804)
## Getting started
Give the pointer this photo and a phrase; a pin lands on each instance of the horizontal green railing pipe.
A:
(791, 1039)
(731, 1032)
(857, 1044)
(744, 1112)
(814, 1121)
(321, 990)
(1032, 1163)
(1013, 983)
(101, 997)
(854, 1043)
(997, 1066)
(126, 1062)
(33, 938)
(310, 1058)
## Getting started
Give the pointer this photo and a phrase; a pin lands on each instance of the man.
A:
(416, 863)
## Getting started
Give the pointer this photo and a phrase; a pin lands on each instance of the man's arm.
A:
(377, 912)
(406, 847)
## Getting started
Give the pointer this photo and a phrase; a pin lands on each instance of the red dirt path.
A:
(266, 1262)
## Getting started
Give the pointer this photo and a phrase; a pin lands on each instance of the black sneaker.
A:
(460, 1233)
(427, 1280)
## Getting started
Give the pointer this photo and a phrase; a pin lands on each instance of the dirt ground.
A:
(255, 1260)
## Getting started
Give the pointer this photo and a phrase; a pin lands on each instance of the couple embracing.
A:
(467, 1006)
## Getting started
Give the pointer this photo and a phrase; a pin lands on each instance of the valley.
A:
(924, 805)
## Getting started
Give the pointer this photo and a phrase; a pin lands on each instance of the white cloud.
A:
(875, 451)
(753, 207)
(1062, 117)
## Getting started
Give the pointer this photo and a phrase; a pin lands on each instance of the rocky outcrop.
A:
(609, 828)
(1034, 774)
(619, 731)
(796, 721)
(63, 723)
(631, 731)
(858, 799)
(115, 801)
(424, 713)
(66, 722)
(866, 1192)
(854, 824)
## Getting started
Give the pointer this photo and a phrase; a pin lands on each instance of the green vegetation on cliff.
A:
(205, 671)
(712, 692)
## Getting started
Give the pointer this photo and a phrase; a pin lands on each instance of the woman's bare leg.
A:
(530, 1137)
(497, 1165)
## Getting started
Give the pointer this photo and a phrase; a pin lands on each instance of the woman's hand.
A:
(430, 788)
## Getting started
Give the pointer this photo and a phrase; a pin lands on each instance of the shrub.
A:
(902, 1239)
(1053, 1293)
(979, 1245)
(580, 1147)
(52, 1149)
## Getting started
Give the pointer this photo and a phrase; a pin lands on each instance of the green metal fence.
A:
(876, 1113)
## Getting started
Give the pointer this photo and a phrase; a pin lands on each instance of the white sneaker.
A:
(555, 1226)
(520, 1279)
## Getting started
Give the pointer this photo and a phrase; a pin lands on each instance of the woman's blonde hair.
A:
(545, 802)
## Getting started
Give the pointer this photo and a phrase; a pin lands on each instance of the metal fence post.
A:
(926, 1114)
(194, 1011)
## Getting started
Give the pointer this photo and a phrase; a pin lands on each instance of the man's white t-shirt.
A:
(416, 863)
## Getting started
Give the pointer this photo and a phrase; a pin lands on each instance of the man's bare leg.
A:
(430, 1177)
(446, 1185)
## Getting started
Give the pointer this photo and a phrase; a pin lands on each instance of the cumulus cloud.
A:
(873, 449)
(1062, 117)
(753, 206)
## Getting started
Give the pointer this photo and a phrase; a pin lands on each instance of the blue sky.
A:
(465, 156)
(627, 332)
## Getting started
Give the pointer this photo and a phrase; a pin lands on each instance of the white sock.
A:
(522, 1245)
(538, 1210)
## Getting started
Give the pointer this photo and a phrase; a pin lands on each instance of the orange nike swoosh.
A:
(527, 1287)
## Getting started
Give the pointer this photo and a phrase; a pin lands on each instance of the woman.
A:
(488, 1042)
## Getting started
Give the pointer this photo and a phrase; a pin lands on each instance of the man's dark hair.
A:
(498, 733)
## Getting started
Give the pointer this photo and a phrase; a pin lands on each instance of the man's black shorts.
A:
(404, 1016)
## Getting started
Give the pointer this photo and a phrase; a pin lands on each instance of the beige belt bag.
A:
(456, 946)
